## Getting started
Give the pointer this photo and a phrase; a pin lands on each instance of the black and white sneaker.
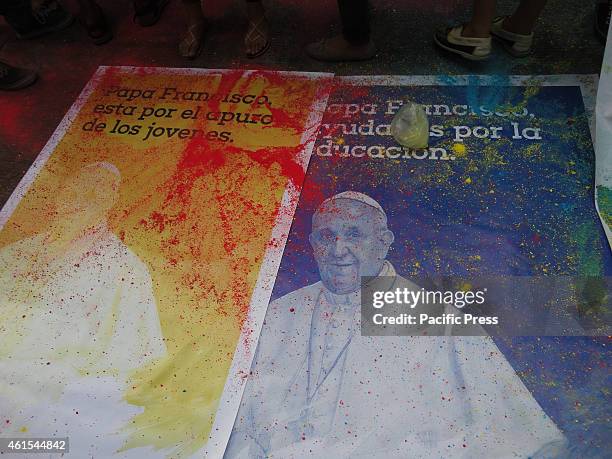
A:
(474, 49)
(12, 78)
(516, 44)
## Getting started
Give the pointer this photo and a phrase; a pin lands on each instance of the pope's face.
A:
(350, 239)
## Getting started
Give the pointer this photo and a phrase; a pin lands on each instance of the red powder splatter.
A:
(206, 159)
(159, 221)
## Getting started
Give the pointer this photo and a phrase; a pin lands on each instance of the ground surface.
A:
(402, 30)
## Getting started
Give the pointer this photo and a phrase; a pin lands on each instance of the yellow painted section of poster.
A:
(195, 208)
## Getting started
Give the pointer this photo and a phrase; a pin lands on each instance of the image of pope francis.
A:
(318, 388)
(77, 316)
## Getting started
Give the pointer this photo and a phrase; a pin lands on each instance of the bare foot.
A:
(190, 45)
(257, 38)
(94, 21)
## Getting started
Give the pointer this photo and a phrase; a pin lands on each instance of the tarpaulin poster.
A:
(138, 253)
(505, 187)
(603, 150)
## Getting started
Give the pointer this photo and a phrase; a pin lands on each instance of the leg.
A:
(472, 40)
(191, 41)
(148, 12)
(482, 18)
(524, 18)
(354, 44)
(87, 7)
(256, 40)
(193, 11)
(516, 32)
(603, 12)
(355, 21)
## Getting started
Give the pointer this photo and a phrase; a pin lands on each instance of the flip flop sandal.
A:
(150, 13)
(193, 41)
(254, 30)
(99, 31)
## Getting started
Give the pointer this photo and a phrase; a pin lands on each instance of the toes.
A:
(252, 46)
(257, 46)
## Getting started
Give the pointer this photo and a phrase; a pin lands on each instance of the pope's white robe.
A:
(74, 324)
(417, 397)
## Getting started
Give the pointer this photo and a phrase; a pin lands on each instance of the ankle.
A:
(512, 25)
(90, 14)
(472, 31)
(193, 13)
(195, 25)
(255, 10)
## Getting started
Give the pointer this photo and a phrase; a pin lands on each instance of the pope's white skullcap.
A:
(355, 196)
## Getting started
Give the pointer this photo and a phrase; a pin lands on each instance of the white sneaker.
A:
(516, 44)
(474, 49)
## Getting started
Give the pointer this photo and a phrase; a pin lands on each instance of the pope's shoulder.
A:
(403, 282)
(308, 293)
(294, 308)
(124, 258)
